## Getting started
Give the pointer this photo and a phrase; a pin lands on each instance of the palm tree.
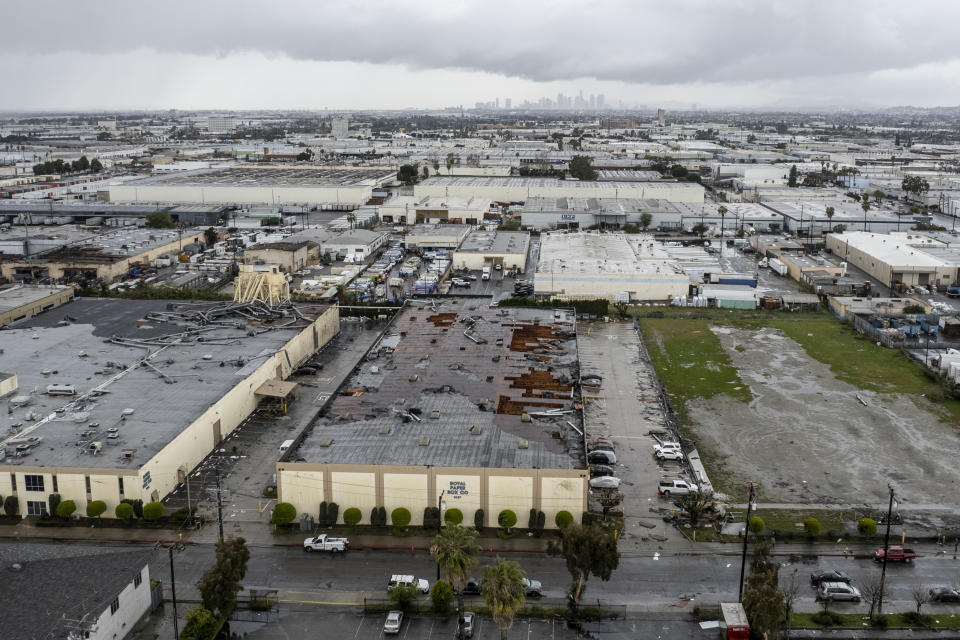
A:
(865, 205)
(503, 592)
(722, 210)
(830, 213)
(351, 218)
(455, 549)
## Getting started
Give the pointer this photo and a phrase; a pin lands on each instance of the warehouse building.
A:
(897, 258)
(809, 218)
(81, 211)
(460, 403)
(739, 215)
(582, 213)
(18, 301)
(607, 265)
(522, 189)
(410, 210)
(435, 236)
(481, 248)
(132, 395)
(289, 256)
(257, 184)
(103, 256)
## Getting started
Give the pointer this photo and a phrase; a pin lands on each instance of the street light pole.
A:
(886, 547)
(746, 531)
(173, 594)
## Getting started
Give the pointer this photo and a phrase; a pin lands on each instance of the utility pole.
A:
(173, 594)
(439, 523)
(746, 532)
(886, 547)
(219, 507)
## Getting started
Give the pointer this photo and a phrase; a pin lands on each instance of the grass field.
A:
(894, 620)
(691, 362)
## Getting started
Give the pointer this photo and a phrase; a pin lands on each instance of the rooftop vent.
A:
(435, 415)
(424, 441)
(523, 444)
(384, 431)
(476, 430)
(326, 442)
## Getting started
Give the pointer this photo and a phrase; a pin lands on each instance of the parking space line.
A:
(357, 634)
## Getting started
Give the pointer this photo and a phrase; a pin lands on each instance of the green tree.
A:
(507, 519)
(678, 171)
(426, 172)
(865, 205)
(220, 583)
(830, 213)
(352, 516)
(333, 511)
(83, 164)
(587, 550)
(915, 185)
(867, 526)
(455, 550)
(153, 511)
(431, 518)
(11, 506)
(407, 174)
(284, 513)
(441, 595)
(124, 511)
(695, 504)
(200, 624)
(792, 178)
(400, 517)
(563, 519)
(159, 220)
(96, 165)
(453, 516)
(757, 525)
(53, 500)
(645, 220)
(503, 592)
(700, 229)
(763, 601)
(66, 508)
(811, 527)
(402, 595)
(96, 508)
(478, 517)
(581, 168)
(210, 237)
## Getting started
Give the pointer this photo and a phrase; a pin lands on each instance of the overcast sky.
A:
(315, 54)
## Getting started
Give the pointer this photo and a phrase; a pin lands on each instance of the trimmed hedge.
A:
(124, 511)
(153, 510)
(507, 519)
(96, 508)
(66, 508)
(478, 519)
(400, 517)
(352, 516)
(563, 519)
(284, 513)
(867, 526)
(453, 516)
(757, 525)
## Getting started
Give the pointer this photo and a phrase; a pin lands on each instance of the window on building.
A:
(36, 507)
(137, 579)
(86, 480)
(33, 483)
(13, 482)
(114, 606)
(56, 489)
(120, 485)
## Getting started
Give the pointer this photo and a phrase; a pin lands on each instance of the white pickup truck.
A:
(324, 543)
(422, 585)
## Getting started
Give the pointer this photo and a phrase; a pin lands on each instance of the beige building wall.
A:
(305, 490)
(357, 490)
(8, 383)
(288, 260)
(476, 261)
(597, 285)
(461, 491)
(558, 494)
(55, 299)
(509, 492)
(407, 490)
(241, 195)
(71, 485)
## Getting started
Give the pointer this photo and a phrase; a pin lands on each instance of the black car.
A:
(598, 470)
(472, 588)
(831, 575)
(944, 594)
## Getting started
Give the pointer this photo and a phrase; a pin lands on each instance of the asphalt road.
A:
(652, 581)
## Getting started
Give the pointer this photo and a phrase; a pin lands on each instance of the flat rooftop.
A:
(504, 182)
(480, 241)
(438, 230)
(844, 211)
(88, 343)
(598, 206)
(447, 385)
(626, 175)
(260, 176)
(604, 253)
(16, 296)
(735, 211)
(891, 250)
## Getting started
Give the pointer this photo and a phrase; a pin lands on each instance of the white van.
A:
(485, 275)
(286, 445)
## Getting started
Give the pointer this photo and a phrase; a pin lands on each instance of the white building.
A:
(340, 127)
(489, 248)
(522, 189)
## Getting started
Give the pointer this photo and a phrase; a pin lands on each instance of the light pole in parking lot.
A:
(439, 522)
(886, 547)
(746, 532)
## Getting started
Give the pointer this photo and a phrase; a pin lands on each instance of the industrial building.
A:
(582, 213)
(94, 212)
(250, 184)
(809, 218)
(131, 395)
(436, 236)
(433, 210)
(522, 189)
(19, 301)
(481, 248)
(289, 256)
(739, 215)
(459, 400)
(899, 258)
(607, 265)
(100, 256)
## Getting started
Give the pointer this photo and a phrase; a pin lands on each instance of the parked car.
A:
(533, 588)
(831, 575)
(600, 470)
(944, 594)
(660, 446)
(669, 454)
(472, 587)
(459, 282)
(469, 276)
(468, 624)
(602, 457)
(600, 446)
(323, 542)
(393, 622)
(422, 585)
(675, 487)
(830, 591)
(605, 482)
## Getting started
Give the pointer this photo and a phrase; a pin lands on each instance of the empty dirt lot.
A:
(806, 437)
